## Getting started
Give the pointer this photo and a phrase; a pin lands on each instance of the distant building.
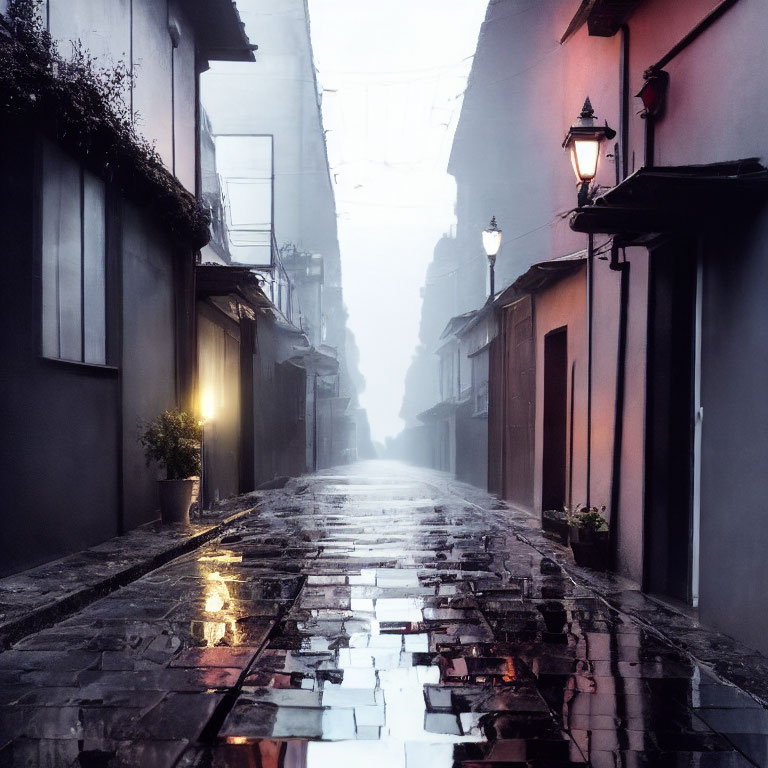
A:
(281, 215)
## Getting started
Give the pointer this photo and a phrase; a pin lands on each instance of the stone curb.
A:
(50, 613)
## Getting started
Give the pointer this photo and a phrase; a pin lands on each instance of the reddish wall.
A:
(564, 304)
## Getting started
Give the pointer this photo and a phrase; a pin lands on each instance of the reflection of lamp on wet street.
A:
(217, 600)
(206, 415)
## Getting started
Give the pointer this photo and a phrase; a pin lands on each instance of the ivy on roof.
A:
(81, 105)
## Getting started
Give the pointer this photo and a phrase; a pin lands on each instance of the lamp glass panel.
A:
(491, 241)
(584, 154)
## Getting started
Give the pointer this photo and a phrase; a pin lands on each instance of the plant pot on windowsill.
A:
(588, 535)
(173, 441)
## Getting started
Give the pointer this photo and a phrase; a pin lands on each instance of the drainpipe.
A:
(570, 441)
(623, 159)
(622, 267)
(314, 422)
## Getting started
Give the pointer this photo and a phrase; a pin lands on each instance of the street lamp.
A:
(207, 412)
(583, 142)
(492, 243)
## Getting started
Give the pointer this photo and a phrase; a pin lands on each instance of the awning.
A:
(540, 276)
(439, 411)
(315, 361)
(602, 17)
(673, 199)
(240, 282)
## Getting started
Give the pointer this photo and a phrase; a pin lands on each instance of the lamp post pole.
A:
(491, 267)
(583, 142)
(201, 489)
(491, 244)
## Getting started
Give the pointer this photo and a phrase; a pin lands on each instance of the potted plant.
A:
(588, 534)
(173, 441)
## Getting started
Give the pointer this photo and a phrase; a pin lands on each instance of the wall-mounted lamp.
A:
(583, 142)
(654, 93)
(491, 244)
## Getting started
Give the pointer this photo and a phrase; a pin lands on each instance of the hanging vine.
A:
(83, 106)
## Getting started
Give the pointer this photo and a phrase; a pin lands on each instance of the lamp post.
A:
(492, 243)
(583, 143)
(206, 415)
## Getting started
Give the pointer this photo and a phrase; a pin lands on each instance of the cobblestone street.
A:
(372, 616)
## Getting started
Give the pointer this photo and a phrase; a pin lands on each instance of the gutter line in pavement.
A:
(210, 732)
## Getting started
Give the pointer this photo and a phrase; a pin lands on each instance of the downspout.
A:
(624, 103)
(570, 446)
(623, 269)
(618, 420)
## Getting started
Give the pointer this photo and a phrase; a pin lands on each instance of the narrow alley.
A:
(376, 615)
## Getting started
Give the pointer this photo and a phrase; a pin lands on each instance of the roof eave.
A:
(221, 34)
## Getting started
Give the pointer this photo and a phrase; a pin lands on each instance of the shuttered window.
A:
(73, 260)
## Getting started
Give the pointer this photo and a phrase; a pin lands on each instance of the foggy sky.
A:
(398, 69)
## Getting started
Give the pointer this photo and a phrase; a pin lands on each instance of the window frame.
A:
(109, 289)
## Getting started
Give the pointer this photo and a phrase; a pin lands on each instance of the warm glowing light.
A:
(207, 405)
(237, 739)
(225, 558)
(492, 239)
(217, 593)
(214, 602)
(584, 156)
(511, 674)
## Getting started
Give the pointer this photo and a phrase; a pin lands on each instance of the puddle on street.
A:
(420, 686)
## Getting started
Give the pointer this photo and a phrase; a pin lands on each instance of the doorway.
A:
(554, 442)
(670, 558)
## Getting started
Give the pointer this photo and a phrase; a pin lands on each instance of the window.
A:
(74, 260)
(481, 398)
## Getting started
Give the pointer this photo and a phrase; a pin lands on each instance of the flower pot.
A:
(554, 520)
(175, 500)
(590, 547)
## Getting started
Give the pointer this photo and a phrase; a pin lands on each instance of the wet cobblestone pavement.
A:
(369, 617)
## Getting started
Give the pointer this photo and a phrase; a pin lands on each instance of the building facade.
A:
(629, 377)
(101, 233)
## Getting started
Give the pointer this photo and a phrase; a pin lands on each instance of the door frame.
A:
(672, 436)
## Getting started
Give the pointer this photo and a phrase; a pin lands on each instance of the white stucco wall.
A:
(136, 32)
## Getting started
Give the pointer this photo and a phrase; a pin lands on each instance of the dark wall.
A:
(148, 355)
(734, 488)
(471, 446)
(59, 455)
(520, 402)
(279, 407)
